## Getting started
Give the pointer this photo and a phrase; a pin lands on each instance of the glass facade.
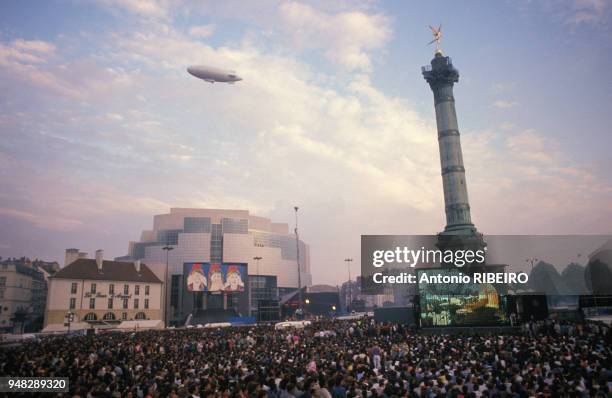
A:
(264, 297)
(174, 290)
(235, 226)
(216, 244)
(204, 241)
(138, 252)
(168, 236)
(284, 242)
(197, 225)
(283, 291)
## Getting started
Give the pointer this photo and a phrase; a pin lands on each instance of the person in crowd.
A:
(352, 359)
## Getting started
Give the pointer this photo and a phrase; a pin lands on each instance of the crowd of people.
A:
(328, 359)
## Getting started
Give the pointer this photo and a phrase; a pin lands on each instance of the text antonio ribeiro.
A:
(410, 257)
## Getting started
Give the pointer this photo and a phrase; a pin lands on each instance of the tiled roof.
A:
(85, 268)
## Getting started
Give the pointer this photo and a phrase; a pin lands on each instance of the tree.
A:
(19, 319)
(546, 279)
(573, 277)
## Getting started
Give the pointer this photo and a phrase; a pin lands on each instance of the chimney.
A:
(99, 258)
(137, 265)
(71, 256)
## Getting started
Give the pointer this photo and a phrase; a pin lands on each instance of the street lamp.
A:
(297, 257)
(167, 249)
(257, 258)
(348, 266)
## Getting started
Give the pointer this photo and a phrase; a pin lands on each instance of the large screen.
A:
(468, 304)
(215, 277)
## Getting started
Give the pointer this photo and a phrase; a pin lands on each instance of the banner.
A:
(215, 277)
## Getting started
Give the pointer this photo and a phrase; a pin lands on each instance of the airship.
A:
(211, 75)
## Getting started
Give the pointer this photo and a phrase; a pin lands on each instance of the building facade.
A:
(263, 298)
(218, 236)
(90, 293)
(23, 291)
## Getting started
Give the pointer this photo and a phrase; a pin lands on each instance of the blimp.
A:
(212, 75)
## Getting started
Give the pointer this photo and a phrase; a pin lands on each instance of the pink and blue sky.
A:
(101, 127)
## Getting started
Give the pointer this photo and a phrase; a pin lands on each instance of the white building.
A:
(219, 236)
(22, 295)
(103, 294)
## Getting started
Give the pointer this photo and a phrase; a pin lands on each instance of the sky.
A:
(101, 127)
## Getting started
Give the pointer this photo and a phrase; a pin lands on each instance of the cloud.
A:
(503, 87)
(25, 52)
(588, 12)
(577, 13)
(25, 61)
(504, 104)
(114, 116)
(28, 62)
(135, 135)
(156, 9)
(202, 31)
(552, 187)
(346, 33)
(347, 38)
(38, 46)
(41, 220)
(530, 148)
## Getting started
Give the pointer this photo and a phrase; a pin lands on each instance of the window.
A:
(110, 303)
(93, 288)
(73, 288)
(90, 317)
(92, 303)
(235, 226)
(111, 288)
(136, 303)
(196, 224)
(146, 304)
(1, 293)
(124, 316)
(2, 280)
(141, 315)
(168, 236)
(174, 290)
(216, 243)
(146, 290)
(126, 289)
(72, 303)
(109, 316)
(137, 290)
(125, 304)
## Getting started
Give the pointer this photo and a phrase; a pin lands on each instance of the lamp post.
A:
(307, 309)
(167, 249)
(257, 258)
(348, 266)
(297, 256)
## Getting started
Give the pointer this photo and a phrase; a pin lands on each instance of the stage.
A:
(471, 330)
